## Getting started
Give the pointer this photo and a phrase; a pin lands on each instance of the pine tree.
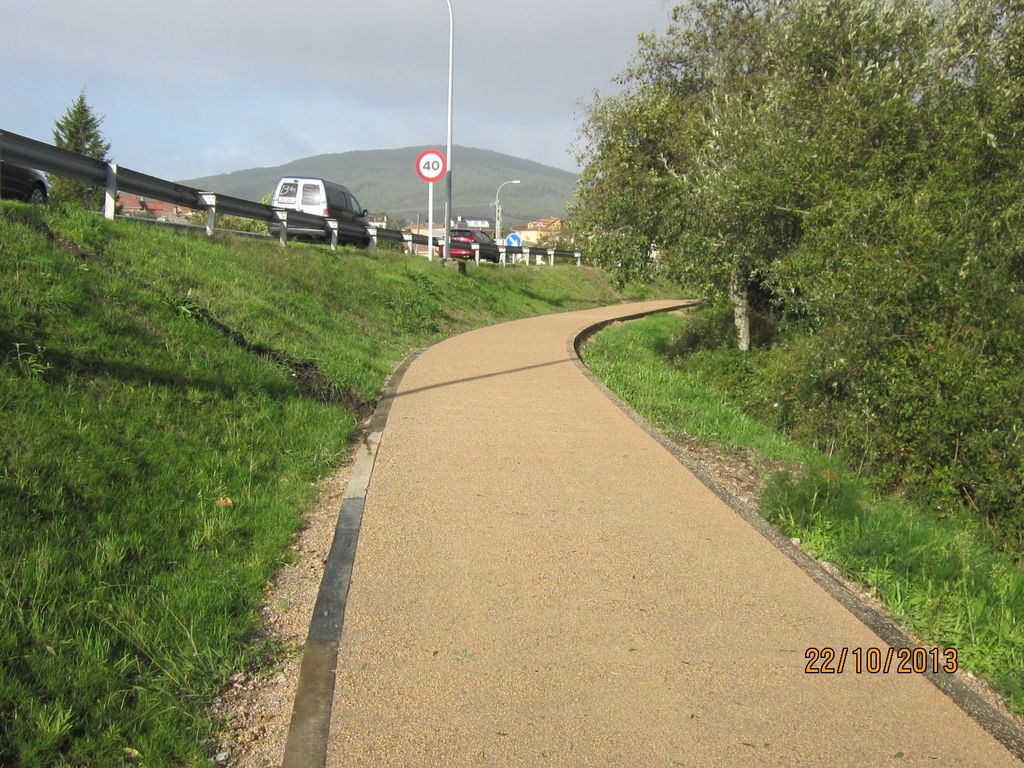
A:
(78, 130)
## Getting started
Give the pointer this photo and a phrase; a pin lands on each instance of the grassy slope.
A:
(128, 582)
(942, 577)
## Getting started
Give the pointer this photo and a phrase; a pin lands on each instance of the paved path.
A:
(539, 583)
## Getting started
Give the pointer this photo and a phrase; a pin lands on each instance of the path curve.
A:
(539, 582)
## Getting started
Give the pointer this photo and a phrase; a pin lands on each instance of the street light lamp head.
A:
(512, 181)
(497, 208)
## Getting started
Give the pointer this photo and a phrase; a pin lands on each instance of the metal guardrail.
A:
(30, 153)
(497, 252)
(23, 151)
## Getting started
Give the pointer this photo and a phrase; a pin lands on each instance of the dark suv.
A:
(26, 184)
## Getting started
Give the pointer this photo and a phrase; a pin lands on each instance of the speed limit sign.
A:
(431, 165)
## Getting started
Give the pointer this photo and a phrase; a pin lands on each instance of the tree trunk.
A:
(740, 308)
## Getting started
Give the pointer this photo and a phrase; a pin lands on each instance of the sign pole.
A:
(431, 165)
(430, 221)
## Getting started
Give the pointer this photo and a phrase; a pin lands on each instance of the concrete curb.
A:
(1001, 726)
(309, 730)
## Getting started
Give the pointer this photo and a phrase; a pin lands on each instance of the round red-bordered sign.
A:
(431, 165)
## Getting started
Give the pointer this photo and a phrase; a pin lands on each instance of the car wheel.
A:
(38, 195)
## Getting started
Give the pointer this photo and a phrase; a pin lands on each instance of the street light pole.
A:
(497, 208)
(448, 149)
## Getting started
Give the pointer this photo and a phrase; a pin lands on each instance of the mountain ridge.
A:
(385, 181)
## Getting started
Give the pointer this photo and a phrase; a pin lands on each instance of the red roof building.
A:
(135, 205)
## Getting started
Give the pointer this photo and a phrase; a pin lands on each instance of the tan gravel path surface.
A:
(539, 583)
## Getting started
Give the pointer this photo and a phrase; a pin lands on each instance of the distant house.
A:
(541, 229)
(422, 230)
(136, 205)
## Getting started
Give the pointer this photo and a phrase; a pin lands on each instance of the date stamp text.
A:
(874, 660)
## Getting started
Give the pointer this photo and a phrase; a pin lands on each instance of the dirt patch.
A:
(743, 475)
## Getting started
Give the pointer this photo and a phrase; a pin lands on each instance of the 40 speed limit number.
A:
(431, 165)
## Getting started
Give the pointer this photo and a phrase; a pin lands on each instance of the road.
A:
(540, 582)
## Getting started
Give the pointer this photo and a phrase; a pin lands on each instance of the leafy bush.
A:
(240, 224)
(711, 328)
(714, 328)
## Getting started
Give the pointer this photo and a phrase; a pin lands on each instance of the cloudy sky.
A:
(194, 87)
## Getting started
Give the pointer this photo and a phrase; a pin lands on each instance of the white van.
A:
(320, 198)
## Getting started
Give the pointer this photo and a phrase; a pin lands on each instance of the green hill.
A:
(385, 181)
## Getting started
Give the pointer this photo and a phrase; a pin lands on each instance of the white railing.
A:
(29, 153)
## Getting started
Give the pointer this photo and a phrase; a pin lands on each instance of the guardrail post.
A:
(579, 258)
(282, 216)
(110, 200)
(526, 255)
(210, 201)
(502, 256)
(373, 237)
(476, 253)
(333, 224)
(407, 239)
(551, 257)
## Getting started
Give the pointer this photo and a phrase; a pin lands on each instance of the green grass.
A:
(943, 577)
(631, 360)
(129, 586)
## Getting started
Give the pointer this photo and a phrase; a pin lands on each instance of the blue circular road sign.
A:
(514, 239)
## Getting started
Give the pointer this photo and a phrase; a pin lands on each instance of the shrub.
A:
(713, 328)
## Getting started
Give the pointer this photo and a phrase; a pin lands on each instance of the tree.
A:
(737, 123)
(78, 130)
(665, 163)
(628, 181)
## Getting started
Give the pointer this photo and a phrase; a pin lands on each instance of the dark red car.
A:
(462, 242)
